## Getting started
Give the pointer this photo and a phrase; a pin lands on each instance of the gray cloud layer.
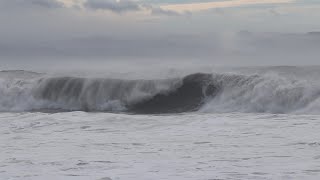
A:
(113, 5)
(126, 6)
(31, 3)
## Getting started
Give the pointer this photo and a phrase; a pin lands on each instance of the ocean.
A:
(224, 123)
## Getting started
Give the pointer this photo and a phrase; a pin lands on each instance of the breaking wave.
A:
(217, 92)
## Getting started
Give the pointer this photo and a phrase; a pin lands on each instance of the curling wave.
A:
(136, 96)
(202, 92)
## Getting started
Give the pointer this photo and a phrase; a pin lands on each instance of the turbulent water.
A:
(228, 123)
(271, 92)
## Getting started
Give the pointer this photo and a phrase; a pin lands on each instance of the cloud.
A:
(32, 3)
(192, 7)
(155, 10)
(113, 5)
(122, 6)
(47, 3)
(160, 11)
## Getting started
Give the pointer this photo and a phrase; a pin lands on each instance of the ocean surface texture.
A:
(226, 123)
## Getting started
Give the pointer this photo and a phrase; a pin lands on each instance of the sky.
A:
(97, 33)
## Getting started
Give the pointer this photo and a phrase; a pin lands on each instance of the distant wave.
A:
(217, 92)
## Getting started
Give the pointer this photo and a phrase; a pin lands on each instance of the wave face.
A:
(189, 96)
(210, 93)
(68, 93)
(135, 96)
(55, 94)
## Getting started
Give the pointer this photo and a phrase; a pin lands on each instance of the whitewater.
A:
(222, 123)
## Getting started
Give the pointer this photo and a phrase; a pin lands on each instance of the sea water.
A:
(79, 145)
(254, 123)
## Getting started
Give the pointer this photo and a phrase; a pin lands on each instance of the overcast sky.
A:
(221, 32)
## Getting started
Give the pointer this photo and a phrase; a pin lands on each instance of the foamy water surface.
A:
(78, 145)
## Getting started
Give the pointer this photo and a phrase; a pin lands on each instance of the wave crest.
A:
(262, 94)
(202, 92)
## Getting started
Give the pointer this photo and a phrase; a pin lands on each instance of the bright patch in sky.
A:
(220, 4)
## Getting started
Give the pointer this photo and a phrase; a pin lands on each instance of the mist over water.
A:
(149, 51)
